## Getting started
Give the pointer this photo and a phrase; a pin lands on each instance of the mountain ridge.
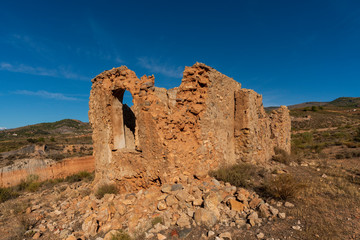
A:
(347, 102)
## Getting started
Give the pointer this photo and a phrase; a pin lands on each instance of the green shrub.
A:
(157, 220)
(7, 193)
(307, 137)
(51, 182)
(237, 175)
(80, 176)
(106, 189)
(33, 186)
(30, 184)
(283, 186)
(121, 235)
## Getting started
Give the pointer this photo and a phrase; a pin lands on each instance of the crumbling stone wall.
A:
(208, 121)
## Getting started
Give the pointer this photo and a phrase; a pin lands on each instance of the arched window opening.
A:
(123, 120)
(128, 99)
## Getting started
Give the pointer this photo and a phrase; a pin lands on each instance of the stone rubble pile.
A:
(187, 203)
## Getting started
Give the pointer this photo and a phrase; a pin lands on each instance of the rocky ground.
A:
(189, 209)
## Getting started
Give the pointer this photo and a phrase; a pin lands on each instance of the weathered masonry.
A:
(208, 121)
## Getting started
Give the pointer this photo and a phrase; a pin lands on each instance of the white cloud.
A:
(27, 69)
(2, 128)
(61, 72)
(169, 71)
(45, 94)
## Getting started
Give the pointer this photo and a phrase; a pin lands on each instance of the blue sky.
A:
(288, 51)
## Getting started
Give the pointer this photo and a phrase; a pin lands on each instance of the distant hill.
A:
(347, 102)
(307, 104)
(343, 102)
(66, 126)
(67, 131)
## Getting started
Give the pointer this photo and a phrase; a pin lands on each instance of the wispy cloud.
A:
(45, 94)
(2, 128)
(31, 43)
(27, 43)
(155, 66)
(61, 72)
(119, 60)
(99, 54)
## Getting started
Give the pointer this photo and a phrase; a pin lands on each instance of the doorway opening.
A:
(123, 120)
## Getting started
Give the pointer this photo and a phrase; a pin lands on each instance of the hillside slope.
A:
(55, 140)
(347, 102)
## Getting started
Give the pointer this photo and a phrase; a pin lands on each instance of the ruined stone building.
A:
(206, 122)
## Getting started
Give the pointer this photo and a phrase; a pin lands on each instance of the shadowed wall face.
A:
(208, 121)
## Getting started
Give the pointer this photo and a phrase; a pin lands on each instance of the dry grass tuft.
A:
(121, 235)
(281, 156)
(106, 189)
(284, 187)
(239, 175)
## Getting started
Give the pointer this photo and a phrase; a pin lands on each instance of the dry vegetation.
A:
(105, 189)
(31, 184)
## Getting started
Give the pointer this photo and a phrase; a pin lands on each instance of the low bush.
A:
(80, 177)
(7, 193)
(237, 175)
(281, 156)
(157, 220)
(121, 235)
(30, 184)
(284, 187)
(106, 189)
